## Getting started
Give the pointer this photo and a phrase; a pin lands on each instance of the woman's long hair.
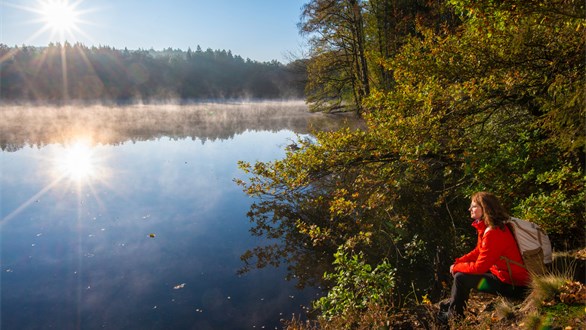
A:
(493, 213)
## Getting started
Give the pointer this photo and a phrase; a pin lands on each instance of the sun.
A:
(62, 20)
(60, 17)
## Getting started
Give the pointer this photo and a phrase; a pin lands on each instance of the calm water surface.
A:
(136, 223)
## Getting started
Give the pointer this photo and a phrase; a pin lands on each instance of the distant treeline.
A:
(68, 72)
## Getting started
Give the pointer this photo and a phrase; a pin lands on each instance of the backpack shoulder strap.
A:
(509, 262)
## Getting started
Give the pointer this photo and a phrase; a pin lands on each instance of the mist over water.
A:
(42, 125)
(128, 217)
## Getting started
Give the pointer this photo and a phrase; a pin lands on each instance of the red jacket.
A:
(491, 245)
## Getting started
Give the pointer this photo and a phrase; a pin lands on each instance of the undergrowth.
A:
(555, 301)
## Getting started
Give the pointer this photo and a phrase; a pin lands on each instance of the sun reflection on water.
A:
(77, 162)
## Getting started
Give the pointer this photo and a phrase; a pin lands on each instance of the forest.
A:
(458, 96)
(65, 73)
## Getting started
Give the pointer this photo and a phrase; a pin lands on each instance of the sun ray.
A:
(31, 200)
(59, 15)
(76, 162)
(61, 19)
(75, 165)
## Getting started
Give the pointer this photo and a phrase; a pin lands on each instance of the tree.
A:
(338, 70)
(495, 104)
(105, 74)
(350, 42)
(390, 23)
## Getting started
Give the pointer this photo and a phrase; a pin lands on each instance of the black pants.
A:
(487, 282)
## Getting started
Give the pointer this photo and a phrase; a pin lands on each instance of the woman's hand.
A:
(451, 270)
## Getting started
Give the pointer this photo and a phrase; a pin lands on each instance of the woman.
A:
(486, 268)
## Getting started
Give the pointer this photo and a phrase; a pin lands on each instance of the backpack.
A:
(534, 245)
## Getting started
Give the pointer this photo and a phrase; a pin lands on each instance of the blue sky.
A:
(261, 30)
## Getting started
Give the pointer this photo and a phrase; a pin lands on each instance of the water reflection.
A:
(77, 162)
(39, 126)
(77, 219)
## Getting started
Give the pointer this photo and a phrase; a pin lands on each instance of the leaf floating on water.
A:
(151, 235)
(179, 286)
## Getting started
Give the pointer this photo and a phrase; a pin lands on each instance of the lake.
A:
(129, 218)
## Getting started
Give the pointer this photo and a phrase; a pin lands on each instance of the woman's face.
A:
(475, 211)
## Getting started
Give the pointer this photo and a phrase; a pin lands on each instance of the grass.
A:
(544, 289)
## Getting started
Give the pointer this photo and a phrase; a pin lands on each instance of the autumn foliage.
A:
(494, 102)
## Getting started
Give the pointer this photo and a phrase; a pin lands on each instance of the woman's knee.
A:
(464, 280)
(460, 277)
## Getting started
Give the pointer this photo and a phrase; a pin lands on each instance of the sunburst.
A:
(77, 162)
(61, 19)
(59, 16)
(76, 165)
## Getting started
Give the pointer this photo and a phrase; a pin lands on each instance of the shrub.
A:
(356, 286)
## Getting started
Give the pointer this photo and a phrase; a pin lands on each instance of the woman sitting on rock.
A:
(484, 268)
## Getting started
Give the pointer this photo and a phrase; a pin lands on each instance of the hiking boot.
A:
(444, 305)
(443, 317)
